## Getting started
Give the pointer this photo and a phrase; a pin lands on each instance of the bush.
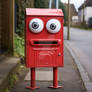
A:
(19, 46)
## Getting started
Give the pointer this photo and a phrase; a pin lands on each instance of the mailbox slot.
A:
(45, 42)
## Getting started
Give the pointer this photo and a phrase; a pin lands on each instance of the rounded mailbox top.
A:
(44, 12)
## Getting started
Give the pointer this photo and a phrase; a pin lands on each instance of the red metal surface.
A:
(44, 12)
(44, 55)
(33, 82)
(55, 78)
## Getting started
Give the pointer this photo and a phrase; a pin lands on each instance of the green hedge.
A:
(19, 46)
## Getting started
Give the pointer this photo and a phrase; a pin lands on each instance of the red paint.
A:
(43, 12)
(44, 55)
(44, 49)
(55, 78)
(33, 83)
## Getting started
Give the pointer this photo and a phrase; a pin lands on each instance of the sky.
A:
(77, 3)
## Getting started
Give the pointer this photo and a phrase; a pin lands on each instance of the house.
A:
(73, 12)
(84, 11)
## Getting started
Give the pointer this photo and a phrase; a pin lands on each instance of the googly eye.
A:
(36, 25)
(53, 26)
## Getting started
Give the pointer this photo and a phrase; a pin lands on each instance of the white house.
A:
(75, 19)
(85, 11)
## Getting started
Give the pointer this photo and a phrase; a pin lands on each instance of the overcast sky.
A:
(77, 3)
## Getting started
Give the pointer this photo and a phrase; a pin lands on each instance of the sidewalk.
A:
(69, 78)
(7, 67)
(78, 57)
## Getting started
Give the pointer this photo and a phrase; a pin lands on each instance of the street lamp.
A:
(50, 4)
(56, 2)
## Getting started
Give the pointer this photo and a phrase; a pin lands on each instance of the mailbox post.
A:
(44, 41)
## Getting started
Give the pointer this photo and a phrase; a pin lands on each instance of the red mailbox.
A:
(44, 39)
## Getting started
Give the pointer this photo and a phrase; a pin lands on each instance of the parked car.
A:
(90, 22)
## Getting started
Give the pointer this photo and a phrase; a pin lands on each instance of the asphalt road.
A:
(81, 43)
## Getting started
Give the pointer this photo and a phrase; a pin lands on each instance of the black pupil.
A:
(52, 26)
(35, 25)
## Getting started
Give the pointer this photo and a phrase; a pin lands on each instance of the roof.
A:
(44, 12)
(88, 3)
(72, 8)
(74, 11)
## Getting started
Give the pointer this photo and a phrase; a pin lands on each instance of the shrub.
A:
(19, 45)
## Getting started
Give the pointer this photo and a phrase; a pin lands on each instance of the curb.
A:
(87, 82)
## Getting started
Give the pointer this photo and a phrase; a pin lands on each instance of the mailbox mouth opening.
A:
(45, 42)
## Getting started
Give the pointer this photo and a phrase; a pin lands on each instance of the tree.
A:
(41, 3)
(21, 6)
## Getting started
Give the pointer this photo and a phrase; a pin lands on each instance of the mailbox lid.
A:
(44, 12)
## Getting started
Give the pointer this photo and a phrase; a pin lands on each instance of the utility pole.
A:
(68, 26)
(84, 13)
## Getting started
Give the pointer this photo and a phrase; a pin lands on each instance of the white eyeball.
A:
(36, 25)
(53, 26)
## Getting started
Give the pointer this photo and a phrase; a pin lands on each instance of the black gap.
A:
(45, 42)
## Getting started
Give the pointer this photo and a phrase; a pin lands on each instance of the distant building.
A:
(75, 19)
(85, 11)
(73, 12)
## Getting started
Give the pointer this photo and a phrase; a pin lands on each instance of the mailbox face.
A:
(44, 38)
